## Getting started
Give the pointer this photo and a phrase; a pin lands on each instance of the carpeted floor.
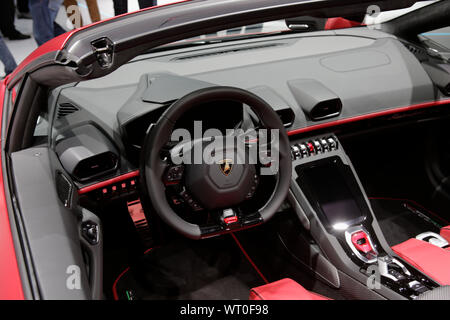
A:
(401, 220)
(213, 269)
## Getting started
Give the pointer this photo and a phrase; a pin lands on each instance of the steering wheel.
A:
(220, 186)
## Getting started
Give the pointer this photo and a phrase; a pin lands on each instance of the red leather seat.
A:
(340, 23)
(428, 258)
(445, 233)
(285, 289)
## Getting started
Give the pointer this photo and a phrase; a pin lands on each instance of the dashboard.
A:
(313, 81)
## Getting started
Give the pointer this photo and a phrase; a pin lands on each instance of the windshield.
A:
(371, 19)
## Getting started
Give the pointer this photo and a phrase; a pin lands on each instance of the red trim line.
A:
(369, 116)
(114, 287)
(106, 183)
(148, 250)
(248, 258)
(414, 203)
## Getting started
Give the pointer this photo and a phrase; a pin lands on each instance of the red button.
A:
(361, 242)
(176, 201)
(230, 220)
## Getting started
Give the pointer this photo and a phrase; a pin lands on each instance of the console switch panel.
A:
(313, 147)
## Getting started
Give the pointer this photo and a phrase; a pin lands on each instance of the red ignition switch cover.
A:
(361, 242)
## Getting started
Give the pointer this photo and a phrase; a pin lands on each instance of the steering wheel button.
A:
(176, 201)
(196, 206)
(184, 195)
(174, 173)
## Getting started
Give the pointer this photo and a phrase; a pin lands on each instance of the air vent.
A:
(326, 109)
(86, 152)
(317, 101)
(413, 49)
(65, 109)
(419, 52)
(287, 116)
(96, 165)
(221, 52)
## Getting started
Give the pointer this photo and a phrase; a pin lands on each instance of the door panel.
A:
(52, 229)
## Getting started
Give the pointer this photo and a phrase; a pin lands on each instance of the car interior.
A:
(362, 190)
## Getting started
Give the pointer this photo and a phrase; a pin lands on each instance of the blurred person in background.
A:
(7, 58)
(92, 7)
(121, 6)
(7, 27)
(23, 12)
(44, 14)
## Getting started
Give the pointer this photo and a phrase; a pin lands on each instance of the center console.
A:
(337, 212)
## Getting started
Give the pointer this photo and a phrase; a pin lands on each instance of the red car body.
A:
(10, 280)
(11, 286)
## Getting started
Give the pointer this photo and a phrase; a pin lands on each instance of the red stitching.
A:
(249, 259)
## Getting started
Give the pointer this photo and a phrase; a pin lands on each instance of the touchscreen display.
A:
(330, 190)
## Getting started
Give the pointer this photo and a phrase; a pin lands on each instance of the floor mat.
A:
(212, 269)
(269, 254)
(401, 219)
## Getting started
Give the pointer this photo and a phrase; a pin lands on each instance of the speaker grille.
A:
(65, 109)
(221, 52)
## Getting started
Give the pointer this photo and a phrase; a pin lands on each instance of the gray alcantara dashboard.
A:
(348, 72)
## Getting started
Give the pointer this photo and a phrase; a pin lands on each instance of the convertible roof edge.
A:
(134, 33)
